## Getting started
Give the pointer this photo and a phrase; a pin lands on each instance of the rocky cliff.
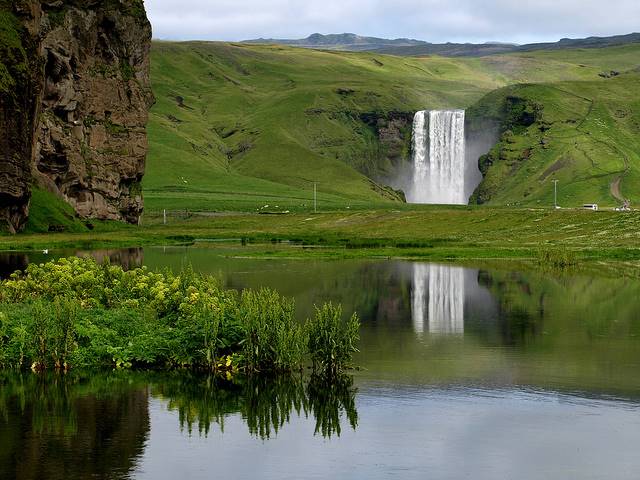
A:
(74, 97)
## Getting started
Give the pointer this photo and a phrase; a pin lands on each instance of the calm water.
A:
(467, 373)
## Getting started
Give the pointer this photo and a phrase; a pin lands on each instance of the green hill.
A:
(240, 126)
(584, 134)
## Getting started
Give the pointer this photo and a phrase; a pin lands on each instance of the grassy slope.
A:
(258, 125)
(589, 127)
(588, 138)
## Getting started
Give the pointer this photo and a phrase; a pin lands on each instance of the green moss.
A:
(114, 128)
(13, 57)
(49, 213)
(127, 71)
(135, 189)
(133, 8)
(6, 80)
(89, 121)
(57, 17)
(103, 70)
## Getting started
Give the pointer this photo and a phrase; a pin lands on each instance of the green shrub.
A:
(76, 312)
(331, 341)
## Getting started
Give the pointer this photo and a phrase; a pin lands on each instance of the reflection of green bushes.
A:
(265, 402)
(75, 312)
(328, 398)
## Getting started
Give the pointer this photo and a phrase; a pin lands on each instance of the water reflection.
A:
(425, 322)
(54, 426)
(444, 297)
(265, 403)
(10, 262)
(438, 298)
(128, 258)
(81, 426)
(466, 372)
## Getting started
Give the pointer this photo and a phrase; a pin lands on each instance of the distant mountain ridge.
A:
(342, 41)
(412, 47)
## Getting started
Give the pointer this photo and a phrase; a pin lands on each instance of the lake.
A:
(494, 370)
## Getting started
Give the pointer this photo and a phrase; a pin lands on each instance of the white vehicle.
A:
(590, 206)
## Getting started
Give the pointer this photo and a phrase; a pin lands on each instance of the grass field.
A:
(419, 232)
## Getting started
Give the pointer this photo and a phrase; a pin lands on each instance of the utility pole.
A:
(555, 194)
(315, 197)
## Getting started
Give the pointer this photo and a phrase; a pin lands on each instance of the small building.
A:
(590, 206)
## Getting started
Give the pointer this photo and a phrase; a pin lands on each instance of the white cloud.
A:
(432, 20)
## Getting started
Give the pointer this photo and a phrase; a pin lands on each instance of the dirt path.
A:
(615, 189)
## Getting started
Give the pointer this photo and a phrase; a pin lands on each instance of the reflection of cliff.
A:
(59, 428)
(10, 262)
(521, 309)
(128, 258)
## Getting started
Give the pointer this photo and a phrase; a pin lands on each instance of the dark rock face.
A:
(19, 90)
(393, 131)
(93, 93)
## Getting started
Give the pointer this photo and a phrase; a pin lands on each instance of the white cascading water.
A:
(438, 158)
(438, 299)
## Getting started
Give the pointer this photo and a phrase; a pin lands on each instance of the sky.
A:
(517, 21)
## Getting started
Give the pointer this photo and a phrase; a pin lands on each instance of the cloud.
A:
(432, 20)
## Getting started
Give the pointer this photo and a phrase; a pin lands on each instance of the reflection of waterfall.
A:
(438, 157)
(438, 298)
(418, 300)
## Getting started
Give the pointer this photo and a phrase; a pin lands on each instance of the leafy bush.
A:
(76, 312)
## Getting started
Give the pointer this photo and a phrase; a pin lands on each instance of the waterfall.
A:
(438, 298)
(438, 158)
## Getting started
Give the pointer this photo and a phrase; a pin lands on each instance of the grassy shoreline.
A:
(428, 232)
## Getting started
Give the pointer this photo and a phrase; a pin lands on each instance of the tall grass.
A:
(272, 337)
(557, 257)
(332, 341)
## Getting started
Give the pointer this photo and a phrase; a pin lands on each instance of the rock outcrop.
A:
(19, 103)
(80, 131)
